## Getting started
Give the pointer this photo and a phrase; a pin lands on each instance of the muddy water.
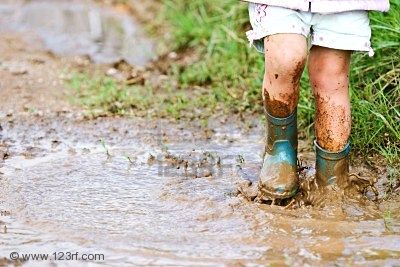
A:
(79, 28)
(173, 202)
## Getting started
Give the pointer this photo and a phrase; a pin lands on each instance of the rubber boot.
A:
(332, 168)
(278, 178)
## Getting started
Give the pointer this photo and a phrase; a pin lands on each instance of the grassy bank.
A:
(225, 75)
(233, 71)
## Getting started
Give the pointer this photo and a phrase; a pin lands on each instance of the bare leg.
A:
(329, 76)
(285, 57)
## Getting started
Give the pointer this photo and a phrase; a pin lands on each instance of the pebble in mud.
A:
(4, 154)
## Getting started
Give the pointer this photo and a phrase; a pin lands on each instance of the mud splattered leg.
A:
(283, 69)
(278, 177)
(329, 76)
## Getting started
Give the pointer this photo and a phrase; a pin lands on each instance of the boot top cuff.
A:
(281, 121)
(332, 155)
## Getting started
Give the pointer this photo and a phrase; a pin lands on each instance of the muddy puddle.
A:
(156, 193)
(75, 28)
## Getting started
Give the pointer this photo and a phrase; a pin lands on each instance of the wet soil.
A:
(31, 78)
(158, 192)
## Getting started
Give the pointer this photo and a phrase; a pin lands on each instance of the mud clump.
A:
(275, 107)
(4, 154)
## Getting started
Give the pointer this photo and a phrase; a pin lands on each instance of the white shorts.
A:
(348, 30)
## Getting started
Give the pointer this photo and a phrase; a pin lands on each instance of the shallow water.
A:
(147, 211)
(80, 28)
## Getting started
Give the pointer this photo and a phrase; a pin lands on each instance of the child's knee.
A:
(285, 67)
(329, 74)
(285, 61)
(332, 82)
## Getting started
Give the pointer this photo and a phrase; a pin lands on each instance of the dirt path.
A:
(31, 78)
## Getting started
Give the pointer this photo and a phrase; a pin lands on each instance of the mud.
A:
(85, 195)
(274, 178)
(332, 125)
(298, 71)
(158, 192)
(276, 107)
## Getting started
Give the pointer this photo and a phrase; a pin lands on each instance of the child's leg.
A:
(329, 70)
(285, 57)
(329, 76)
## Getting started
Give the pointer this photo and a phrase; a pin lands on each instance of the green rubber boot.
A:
(332, 168)
(278, 178)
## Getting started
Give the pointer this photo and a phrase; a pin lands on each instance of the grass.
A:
(107, 151)
(104, 96)
(233, 71)
(227, 76)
